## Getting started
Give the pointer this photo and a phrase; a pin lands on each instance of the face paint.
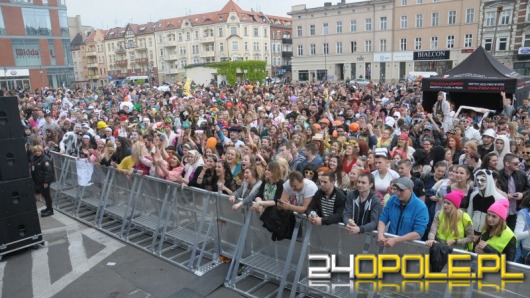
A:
(481, 182)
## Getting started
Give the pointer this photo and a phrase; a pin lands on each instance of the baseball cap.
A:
(404, 183)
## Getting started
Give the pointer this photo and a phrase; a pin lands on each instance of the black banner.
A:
(432, 55)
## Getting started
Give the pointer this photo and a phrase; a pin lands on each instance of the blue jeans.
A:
(521, 254)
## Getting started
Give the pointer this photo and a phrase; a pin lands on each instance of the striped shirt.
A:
(328, 204)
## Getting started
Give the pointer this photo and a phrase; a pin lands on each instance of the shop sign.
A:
(523, 51)
(403, 56)
(432, 55)
(382, 57)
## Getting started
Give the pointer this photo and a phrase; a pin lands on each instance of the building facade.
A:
(382, 40)
(131, 51)
(35, 44)
(231, 34)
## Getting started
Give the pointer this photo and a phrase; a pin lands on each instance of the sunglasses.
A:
(309, 172)
(526, 152)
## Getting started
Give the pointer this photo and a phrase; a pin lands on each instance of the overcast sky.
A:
(104, 14)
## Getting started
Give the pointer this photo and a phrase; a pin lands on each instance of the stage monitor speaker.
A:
(19, 231)
(10, 124)
(16, 197)
(14, 162)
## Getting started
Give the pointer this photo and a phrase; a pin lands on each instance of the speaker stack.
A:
(19, 219)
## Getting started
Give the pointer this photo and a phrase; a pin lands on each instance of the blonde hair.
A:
(451, 220)
(37, 148)
(137, 151)
(284, 166)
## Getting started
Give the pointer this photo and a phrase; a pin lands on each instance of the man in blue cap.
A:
(406, 213)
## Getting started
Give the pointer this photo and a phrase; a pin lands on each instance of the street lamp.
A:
(244, 75)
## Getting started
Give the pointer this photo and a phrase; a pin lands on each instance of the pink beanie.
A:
(500, 208)
(455, 197)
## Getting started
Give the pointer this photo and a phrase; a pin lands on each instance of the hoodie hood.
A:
(490, 190)
(505, 150)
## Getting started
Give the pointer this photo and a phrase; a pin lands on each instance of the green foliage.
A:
(256, 70)
(140, 82)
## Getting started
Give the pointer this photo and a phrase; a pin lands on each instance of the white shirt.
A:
(382, 183)
(308, 191)
(472, 133)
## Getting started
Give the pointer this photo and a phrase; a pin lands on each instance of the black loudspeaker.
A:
(19, 231)
(13, 159)
(16, 197)
(10, 123)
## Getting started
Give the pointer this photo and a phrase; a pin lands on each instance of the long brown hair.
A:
(496, 230)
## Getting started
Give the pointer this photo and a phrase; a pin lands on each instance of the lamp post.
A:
(244, 76)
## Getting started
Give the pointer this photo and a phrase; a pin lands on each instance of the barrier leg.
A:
(234, 265)
(132, 194)
(198, 237)
(168, 217)
(104, 197)
(301, 260)
(161, 220)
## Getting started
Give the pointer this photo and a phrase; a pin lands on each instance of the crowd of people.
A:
(369, 157)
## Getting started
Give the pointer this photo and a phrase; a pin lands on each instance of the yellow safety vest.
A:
(499, 242)
(450, 235)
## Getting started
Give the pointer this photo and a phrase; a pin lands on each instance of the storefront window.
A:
(303, 75)
(438, 66)
(37, 21)
(27, 52)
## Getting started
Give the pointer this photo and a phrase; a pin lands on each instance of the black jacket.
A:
(372, 210)
(338, 206)
(521, 183)
(42, 169)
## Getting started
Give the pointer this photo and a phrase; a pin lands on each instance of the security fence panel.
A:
(229, 224)
(117, 209)
(189, 237)
(66, 188)
(90, 199)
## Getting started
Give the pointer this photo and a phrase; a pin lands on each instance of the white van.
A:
(415, 75)
(136, 80)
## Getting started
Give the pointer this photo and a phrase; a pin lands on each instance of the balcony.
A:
(170, 43)
(121, 63)
(92, 65)
(173, 70)
(142, 61)
(287, 54)
(171, 57)
(91, 54)
(286, 67)
(93, 77)
(287, 40)
(141, 48)
(207, 39)
(208, 54)
(120, 51)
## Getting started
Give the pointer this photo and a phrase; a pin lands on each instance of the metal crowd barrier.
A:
(192, 228)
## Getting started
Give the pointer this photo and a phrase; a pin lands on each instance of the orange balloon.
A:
(211, 142)
(335, 134)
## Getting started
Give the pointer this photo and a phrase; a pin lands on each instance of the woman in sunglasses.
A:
(310, 172)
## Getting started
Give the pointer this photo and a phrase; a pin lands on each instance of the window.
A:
(419, 1)
(490, 18)
(339, 26)
(403, 44)
(435, 19)
(312, 30)
(353, 46)
(450, 41)
(452, 17)
(503, 43)
(528, 13)
(266, 47)
(246, 46)
(368, 46)
(299, 31)
(419, 20)
(404, 21)
(403, 2)
(256, 46)
(179, 36)
(488, 42)
(383, 23)
(265, 33)
(325, 29)
(434, 42)
(382, 45)
(368, 24)
(2, 26)
(505, 17)
(37, 21)
(326, 48)
(470, 15)
(196, 35)
(417, 43)
(233, 30)
(220, 32)
(468, 40)
(195, 48)
(526, 40)
(339, 47)
(245, 31)
(188, 35)
(63, 22)
(221, 47)
(255, 32)
(235, 46)
(353, 25)
(312, 49)
(300, 50)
